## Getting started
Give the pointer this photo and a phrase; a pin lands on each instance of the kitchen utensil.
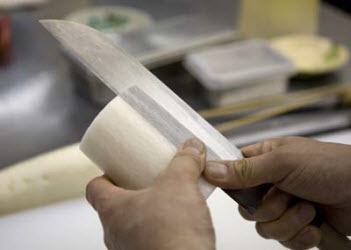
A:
(291, 104)
(259, 103)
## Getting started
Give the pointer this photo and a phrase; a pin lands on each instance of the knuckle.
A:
(270, 144)
(276, 210)
(259, 148)
(302, 213)
(242, 169)
(187, 159)
(267, 145)
(271, 212)
(186, 166)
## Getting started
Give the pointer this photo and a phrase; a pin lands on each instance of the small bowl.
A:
(312, 55)
(112, 19)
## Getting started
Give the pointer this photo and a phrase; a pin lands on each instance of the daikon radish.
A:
(51, 177)
(134, 138)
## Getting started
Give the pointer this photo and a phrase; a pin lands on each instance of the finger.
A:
(263, 147)
(248, 172)
(187, 165)
(287, 226)
(99, 193)
(273, 206)
(307, 238)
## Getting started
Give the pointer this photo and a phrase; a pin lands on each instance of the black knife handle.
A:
(251, 198)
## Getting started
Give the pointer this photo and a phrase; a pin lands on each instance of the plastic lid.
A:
(237, 64)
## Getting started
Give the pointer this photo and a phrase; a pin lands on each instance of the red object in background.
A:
(5, 40)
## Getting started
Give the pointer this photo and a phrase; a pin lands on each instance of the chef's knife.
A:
(119, 72)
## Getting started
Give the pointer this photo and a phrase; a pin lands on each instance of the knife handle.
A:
(250, 199)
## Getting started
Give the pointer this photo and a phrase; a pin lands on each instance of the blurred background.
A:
(255, 69)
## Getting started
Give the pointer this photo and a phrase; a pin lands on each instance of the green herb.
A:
(109, 21)
(332, 53)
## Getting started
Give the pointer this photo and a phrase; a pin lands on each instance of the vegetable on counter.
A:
(333, 52)
(109, 21)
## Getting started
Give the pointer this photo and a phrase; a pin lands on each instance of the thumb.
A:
(187, 165)
(247, 172)
(100, 193)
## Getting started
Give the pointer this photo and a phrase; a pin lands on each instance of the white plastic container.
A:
(236, 72)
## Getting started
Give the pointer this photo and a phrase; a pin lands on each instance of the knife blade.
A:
(101, 56)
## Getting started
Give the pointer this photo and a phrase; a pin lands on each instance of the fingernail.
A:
(194, 146)
(306, 212)
(217, 170)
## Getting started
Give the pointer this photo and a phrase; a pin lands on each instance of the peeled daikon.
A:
(51, 177)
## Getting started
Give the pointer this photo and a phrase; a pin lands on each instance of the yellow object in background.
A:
(312, 55)
(271, 18)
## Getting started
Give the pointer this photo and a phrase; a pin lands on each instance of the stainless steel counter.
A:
(39, 109)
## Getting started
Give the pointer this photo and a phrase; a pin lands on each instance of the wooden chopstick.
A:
(268, 101)
(293, 104)
(243, 106)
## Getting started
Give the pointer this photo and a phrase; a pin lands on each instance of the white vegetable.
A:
(129, 149)
(133, 139)
(52, 177)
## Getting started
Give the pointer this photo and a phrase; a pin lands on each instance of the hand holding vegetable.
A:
(171, 214)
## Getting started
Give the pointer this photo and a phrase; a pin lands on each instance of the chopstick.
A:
(268, 101)
(298, 101)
